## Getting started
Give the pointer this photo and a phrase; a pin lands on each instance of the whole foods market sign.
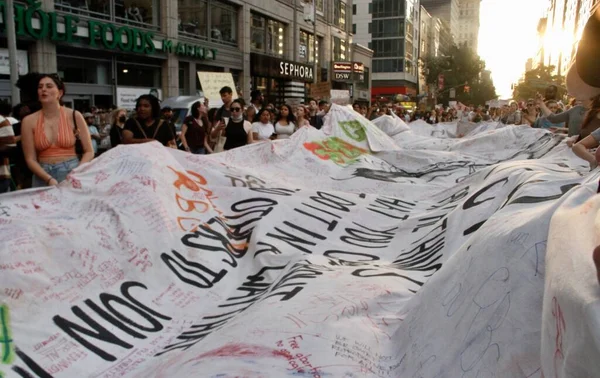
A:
(32, 21)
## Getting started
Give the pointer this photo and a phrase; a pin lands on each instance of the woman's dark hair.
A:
(291, 118)
(240, 102)
(260, 112)
(196, 109)
(212, 113)
(57, 81)
(591, 114)
(153, 103)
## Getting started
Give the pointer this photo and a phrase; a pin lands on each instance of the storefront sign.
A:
(212, 82)
(358, 70)
(268, 66)
(127, 96)
(348, 71)
(342, 71)
(32, 21)
(22, 62)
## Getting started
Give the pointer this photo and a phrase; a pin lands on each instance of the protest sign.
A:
(212, 82)
(316, 256)
(127, 96)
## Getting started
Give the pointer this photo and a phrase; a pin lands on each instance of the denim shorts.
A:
(198, 151)
(59, 171)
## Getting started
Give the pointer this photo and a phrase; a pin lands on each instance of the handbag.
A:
(78, 145)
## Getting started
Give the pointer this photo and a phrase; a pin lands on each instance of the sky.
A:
(507, 38)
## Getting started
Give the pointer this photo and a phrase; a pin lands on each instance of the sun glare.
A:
(508, 37)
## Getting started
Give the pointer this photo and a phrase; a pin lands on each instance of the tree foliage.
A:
(461, 66)
(537, 80)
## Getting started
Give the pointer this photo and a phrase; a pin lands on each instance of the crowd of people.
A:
(42, 141)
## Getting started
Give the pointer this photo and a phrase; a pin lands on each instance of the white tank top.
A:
(284, 131)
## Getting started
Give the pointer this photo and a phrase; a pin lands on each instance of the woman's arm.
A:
(184, 129)
(30, 153)
(582, 150)
(85, 138)
(207, 144)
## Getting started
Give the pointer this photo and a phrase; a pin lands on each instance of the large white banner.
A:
(341, 252)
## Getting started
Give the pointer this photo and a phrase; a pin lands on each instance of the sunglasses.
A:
(236, 109)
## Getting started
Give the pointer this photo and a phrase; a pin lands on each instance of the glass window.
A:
(306, 53)
(257, 30)
(388, 8)
(353, 28)
(320, 6)
(90, 8)
(388, 48)
(223, 23)
(388, 65)
(138, 13)
(388, 28)
(339, 14)
(354, 9)
(275, 38)
(135, 75)
(409, 49)
(339, 49)
(192, 18)
(267, 36)
(85, 71)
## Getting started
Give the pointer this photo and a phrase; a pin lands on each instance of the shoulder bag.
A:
(78, 145)
(170, 144)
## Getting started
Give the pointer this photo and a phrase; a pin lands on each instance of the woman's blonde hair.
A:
(115, 114)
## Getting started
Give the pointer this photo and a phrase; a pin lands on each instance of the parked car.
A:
(182, 106)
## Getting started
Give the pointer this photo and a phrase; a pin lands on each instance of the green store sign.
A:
(138, 41)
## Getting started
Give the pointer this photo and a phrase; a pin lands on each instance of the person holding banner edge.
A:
(49, 136)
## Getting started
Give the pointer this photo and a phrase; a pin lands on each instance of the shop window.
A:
(193, 18)
(84, 71)
(138, 13)
(307, 48)
(274, 38)
(223, 23)
(257, 31)
(268, 36)
(136, 75)
(339, 14)
(89, 8)
(339, 49)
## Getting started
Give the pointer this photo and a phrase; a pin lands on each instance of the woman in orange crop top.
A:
(48, 136)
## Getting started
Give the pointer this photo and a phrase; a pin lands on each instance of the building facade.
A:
(446, 10)
(391, 29)
(563, 24)
(468, 23)
(110, 51)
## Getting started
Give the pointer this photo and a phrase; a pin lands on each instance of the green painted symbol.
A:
(354, 130)
(6, 342)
